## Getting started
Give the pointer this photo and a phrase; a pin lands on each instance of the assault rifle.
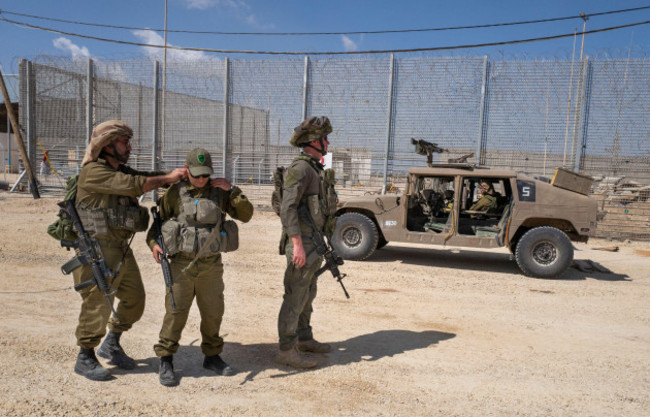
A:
(325, 249)
(89, 253)
(423, 147)
(164, 260)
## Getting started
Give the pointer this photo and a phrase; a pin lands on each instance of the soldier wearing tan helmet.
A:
(306, 184)
(107, 204)
(189, 212)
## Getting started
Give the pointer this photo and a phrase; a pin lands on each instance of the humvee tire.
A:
(544, 252)
(381, 242)
(355, 237)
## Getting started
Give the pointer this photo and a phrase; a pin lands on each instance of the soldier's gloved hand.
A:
(156, 253)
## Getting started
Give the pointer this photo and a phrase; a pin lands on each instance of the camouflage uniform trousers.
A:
(300, 287)
(205, 282)
(95, 311)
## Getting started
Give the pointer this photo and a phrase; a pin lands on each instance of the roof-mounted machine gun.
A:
(423, 147)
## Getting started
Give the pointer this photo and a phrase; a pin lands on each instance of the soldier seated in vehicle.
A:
(488, 199)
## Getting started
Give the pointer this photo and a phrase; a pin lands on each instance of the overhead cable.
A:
(367, 32)
(386, 51)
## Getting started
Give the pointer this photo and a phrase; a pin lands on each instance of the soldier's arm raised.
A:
(151, 183)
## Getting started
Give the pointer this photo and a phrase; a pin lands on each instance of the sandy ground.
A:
(427, 331)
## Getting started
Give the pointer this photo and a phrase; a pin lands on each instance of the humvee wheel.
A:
(544, 252)
(355, 237)
(381, 242)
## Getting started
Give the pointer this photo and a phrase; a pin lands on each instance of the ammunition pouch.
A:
(99, 220)
(229, 236)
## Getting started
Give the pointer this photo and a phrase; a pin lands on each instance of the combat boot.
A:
(216, 364)
(294, 359)
(166, 374)
(112, 350)
(87, 365)
(313, 346)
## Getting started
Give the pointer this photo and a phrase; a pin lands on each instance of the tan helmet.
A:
(310, 129)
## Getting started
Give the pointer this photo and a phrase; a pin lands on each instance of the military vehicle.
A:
(536, 220)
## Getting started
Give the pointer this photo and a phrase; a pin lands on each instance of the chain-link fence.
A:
(530, 116)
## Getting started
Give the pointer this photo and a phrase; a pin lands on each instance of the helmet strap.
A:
(322, 147)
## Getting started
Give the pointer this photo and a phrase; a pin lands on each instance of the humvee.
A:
(536, 220)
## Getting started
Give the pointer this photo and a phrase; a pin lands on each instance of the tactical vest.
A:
(192, 227)
(122, 213)
(322, 206)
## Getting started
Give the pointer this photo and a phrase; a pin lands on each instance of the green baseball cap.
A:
(199, 162)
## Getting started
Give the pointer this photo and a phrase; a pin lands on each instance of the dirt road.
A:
(426, 332)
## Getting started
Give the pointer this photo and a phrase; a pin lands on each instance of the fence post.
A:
(482, 134)
(580, 163)
(580, 96)
(389, 121)
(226, 84)
(305, 87)
(30, 158)
(89, 100)
(155, 113)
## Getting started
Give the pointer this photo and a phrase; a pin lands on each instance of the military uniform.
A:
(107, 205)
(485, 203)
(307, 188)
(205, 279)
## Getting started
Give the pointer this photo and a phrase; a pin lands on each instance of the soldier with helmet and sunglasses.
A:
(307, 188)
(189, 212)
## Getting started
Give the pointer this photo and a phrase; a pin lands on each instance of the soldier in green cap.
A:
(107, 204)
(189, 212)
(308, 190)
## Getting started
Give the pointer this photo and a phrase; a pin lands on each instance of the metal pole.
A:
(31, 120)
(580, 154)
(389, 121)
(580, 96)
(584, 27)
(568, 106)
(89, 100)
(548, 93)
(154, 136)
(9, 144)
(305, 88)
(226, 83)
(480, 158)
(164, 81)
(259, 176)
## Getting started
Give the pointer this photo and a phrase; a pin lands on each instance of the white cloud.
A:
(251, 19)
(151, 37)
(66, 45)
(239, 8)
(348, 44)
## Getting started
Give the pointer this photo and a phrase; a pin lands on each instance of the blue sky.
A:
(315, 16)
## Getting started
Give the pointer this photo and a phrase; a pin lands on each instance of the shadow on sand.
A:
(256, 358)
